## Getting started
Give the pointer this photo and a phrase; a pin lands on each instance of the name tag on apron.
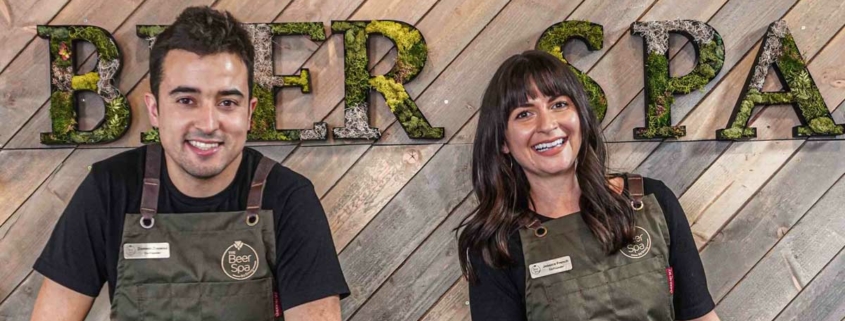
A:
(561, 264)
(146, 251)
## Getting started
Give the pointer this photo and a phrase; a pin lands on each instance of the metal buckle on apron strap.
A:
(151, 220)
(252, 219)
(636, 191)
(538, 228)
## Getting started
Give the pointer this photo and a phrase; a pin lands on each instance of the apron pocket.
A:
(166, 301)
(241, 300)
(230, 301)
(628, 292)
(642, 289)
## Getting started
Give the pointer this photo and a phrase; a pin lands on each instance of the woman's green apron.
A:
(569, 277)
(196, 266)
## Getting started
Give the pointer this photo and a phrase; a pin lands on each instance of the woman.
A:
(555, 237)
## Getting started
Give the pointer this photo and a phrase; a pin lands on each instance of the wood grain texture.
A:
(404, 224)
(428, 273)
(18, 19)
(796, 259)
(23, 95)
(728, 184)
(369, 186)
(822, 298)
(21, 172)
(453, 306)
(773, 211)
(23, 236)
(679, 165)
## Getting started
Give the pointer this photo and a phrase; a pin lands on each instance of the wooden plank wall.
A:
(766, 213)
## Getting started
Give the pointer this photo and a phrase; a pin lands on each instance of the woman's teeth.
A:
(203, 146)
(549, 145)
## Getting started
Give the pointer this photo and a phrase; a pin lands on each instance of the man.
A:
(199, 227)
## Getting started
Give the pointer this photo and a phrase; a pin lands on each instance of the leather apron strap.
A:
(152, 184)
(256, 190)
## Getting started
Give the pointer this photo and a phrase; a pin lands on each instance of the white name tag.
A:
(134, 251)
(550, 267)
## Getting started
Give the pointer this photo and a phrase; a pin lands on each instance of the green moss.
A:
(100, 38)
(411, 49)
(264, 119)
(85, 82)
(711, 57)
(62, 115)
(556, 36)
(802, 93)
(659, 100)
(300, 81)
(355, 61)
(406, 111)
(150, 31)
(312, 29)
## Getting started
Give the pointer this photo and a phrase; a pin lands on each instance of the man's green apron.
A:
(569, 277)
(196, 266)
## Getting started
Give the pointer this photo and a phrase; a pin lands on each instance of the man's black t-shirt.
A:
(83, 251)
(499, 294)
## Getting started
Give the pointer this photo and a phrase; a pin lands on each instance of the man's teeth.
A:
(549, 145)
(203, 146)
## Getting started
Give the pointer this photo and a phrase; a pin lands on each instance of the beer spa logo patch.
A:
(240, 261)
(640, 246)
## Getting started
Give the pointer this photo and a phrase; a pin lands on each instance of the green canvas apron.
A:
(569, 277)
(196, 266)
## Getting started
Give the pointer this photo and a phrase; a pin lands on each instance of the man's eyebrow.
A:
(184, 89)
(230, 92)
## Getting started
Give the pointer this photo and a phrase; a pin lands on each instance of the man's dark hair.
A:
(203, 31)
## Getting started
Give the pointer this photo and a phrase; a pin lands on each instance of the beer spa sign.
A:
(779, 51)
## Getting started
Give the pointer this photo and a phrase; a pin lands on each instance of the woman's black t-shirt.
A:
(499, 294)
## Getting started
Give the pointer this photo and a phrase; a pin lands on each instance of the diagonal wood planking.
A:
(23, 95)
(679, 164)
(770, 214)
(796, 259)
(21, 172)
(453, 306)
(421, 280)
(18, 19)
(23, 236)
(404, 224)
(822, 298)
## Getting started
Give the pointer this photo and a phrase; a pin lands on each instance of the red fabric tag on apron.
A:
(670, 274)
(277, 305)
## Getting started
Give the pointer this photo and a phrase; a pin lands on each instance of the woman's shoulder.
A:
(650, 185)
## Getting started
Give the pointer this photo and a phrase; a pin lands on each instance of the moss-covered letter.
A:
(266, 83)
(411, 56)
(660, 88)
(556, 36)
(779, 50)
(65, 83)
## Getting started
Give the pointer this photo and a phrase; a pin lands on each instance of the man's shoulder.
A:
(282, 180)
(124, 167)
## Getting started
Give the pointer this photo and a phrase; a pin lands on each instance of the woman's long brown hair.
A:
(500, 184)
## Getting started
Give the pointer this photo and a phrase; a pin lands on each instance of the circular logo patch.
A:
(640, 246)
(240, 261)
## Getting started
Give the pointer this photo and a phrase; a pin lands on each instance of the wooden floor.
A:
(766, 214)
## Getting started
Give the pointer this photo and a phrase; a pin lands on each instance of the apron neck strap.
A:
(152, 181)
(256, 189)
(636, 190)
